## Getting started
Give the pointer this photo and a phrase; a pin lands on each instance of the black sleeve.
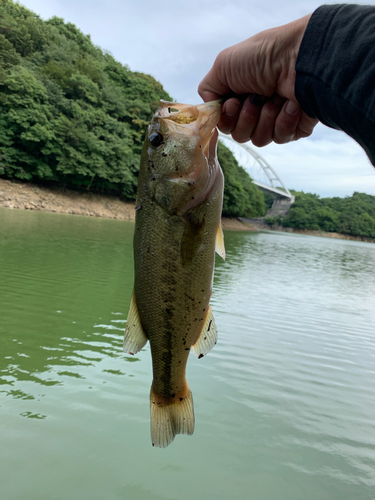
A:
(335, 80)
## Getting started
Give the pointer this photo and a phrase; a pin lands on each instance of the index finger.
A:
(212, 87)
(208, 95)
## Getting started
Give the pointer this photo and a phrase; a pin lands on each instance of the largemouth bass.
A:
(177, 228)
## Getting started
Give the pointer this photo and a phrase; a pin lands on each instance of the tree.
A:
(241, 196)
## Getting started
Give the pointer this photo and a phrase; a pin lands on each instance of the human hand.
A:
(260, 72)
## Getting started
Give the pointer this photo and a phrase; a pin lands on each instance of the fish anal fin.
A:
(219, 242)
(171, 417)
(135, 337)
(208, 337)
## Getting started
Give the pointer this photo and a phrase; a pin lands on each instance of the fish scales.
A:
(174, 246)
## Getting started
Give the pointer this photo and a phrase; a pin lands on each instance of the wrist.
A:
(288, 39)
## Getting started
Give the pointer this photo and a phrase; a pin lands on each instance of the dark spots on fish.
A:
(148, 249)
(202, 290)
(184, 342)
(181, 399)
(187, 348)
(209, 325)
(179, 362)
(192, 197)
(176, 168)
(152, 179)
(153, 402)
(200, 145)
(164, 154)
(170, 281)
(200, 356)
(169, 110)
(203, 309)
(173, 395)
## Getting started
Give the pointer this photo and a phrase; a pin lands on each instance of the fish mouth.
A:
(201, 118)
(189, 135)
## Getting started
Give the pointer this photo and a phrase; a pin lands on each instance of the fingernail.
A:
(257, 100)
(231, 109)
(292, 108)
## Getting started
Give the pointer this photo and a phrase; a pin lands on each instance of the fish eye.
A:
(156, 139)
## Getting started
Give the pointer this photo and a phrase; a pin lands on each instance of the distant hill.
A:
(70, 114)
(353, 215)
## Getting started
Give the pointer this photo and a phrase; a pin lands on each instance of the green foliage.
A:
(69, 113)
(353, 215)
(273, 221)
(73, 115)
(268, 201)
(241, 196)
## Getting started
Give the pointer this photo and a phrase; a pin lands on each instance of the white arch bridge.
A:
(262, 174)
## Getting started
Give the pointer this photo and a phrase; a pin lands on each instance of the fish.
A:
(177, 230)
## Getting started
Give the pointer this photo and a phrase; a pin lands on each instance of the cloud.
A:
(332, 164)
(177, 42)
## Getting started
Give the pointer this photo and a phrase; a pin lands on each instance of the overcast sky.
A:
(177, 42)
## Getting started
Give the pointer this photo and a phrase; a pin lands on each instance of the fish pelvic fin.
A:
(171, 417)
(135, 337)
(208, 337)
(219, 242)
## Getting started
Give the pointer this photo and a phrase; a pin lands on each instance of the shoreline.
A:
(27, 196)
(311, 232)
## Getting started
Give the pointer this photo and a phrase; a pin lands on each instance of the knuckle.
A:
(270, 111)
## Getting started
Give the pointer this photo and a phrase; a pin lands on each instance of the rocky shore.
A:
(26, 196)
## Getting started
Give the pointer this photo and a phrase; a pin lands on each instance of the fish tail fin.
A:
(171, 417)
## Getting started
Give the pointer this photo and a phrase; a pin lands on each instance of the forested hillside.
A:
(353, 215)
(70, 114)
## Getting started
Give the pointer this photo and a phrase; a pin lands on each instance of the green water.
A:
(284, 404)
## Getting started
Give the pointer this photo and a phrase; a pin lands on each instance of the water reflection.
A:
(284, 403)
(56, 299)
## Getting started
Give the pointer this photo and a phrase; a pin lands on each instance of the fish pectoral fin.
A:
(135, 337)
(208, 337)
(219, 242)
(171, 417)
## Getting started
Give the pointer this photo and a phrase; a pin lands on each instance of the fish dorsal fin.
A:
(219, 242)
(135, 337)
(208, 337)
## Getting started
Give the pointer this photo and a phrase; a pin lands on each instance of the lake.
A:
(284, 403)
